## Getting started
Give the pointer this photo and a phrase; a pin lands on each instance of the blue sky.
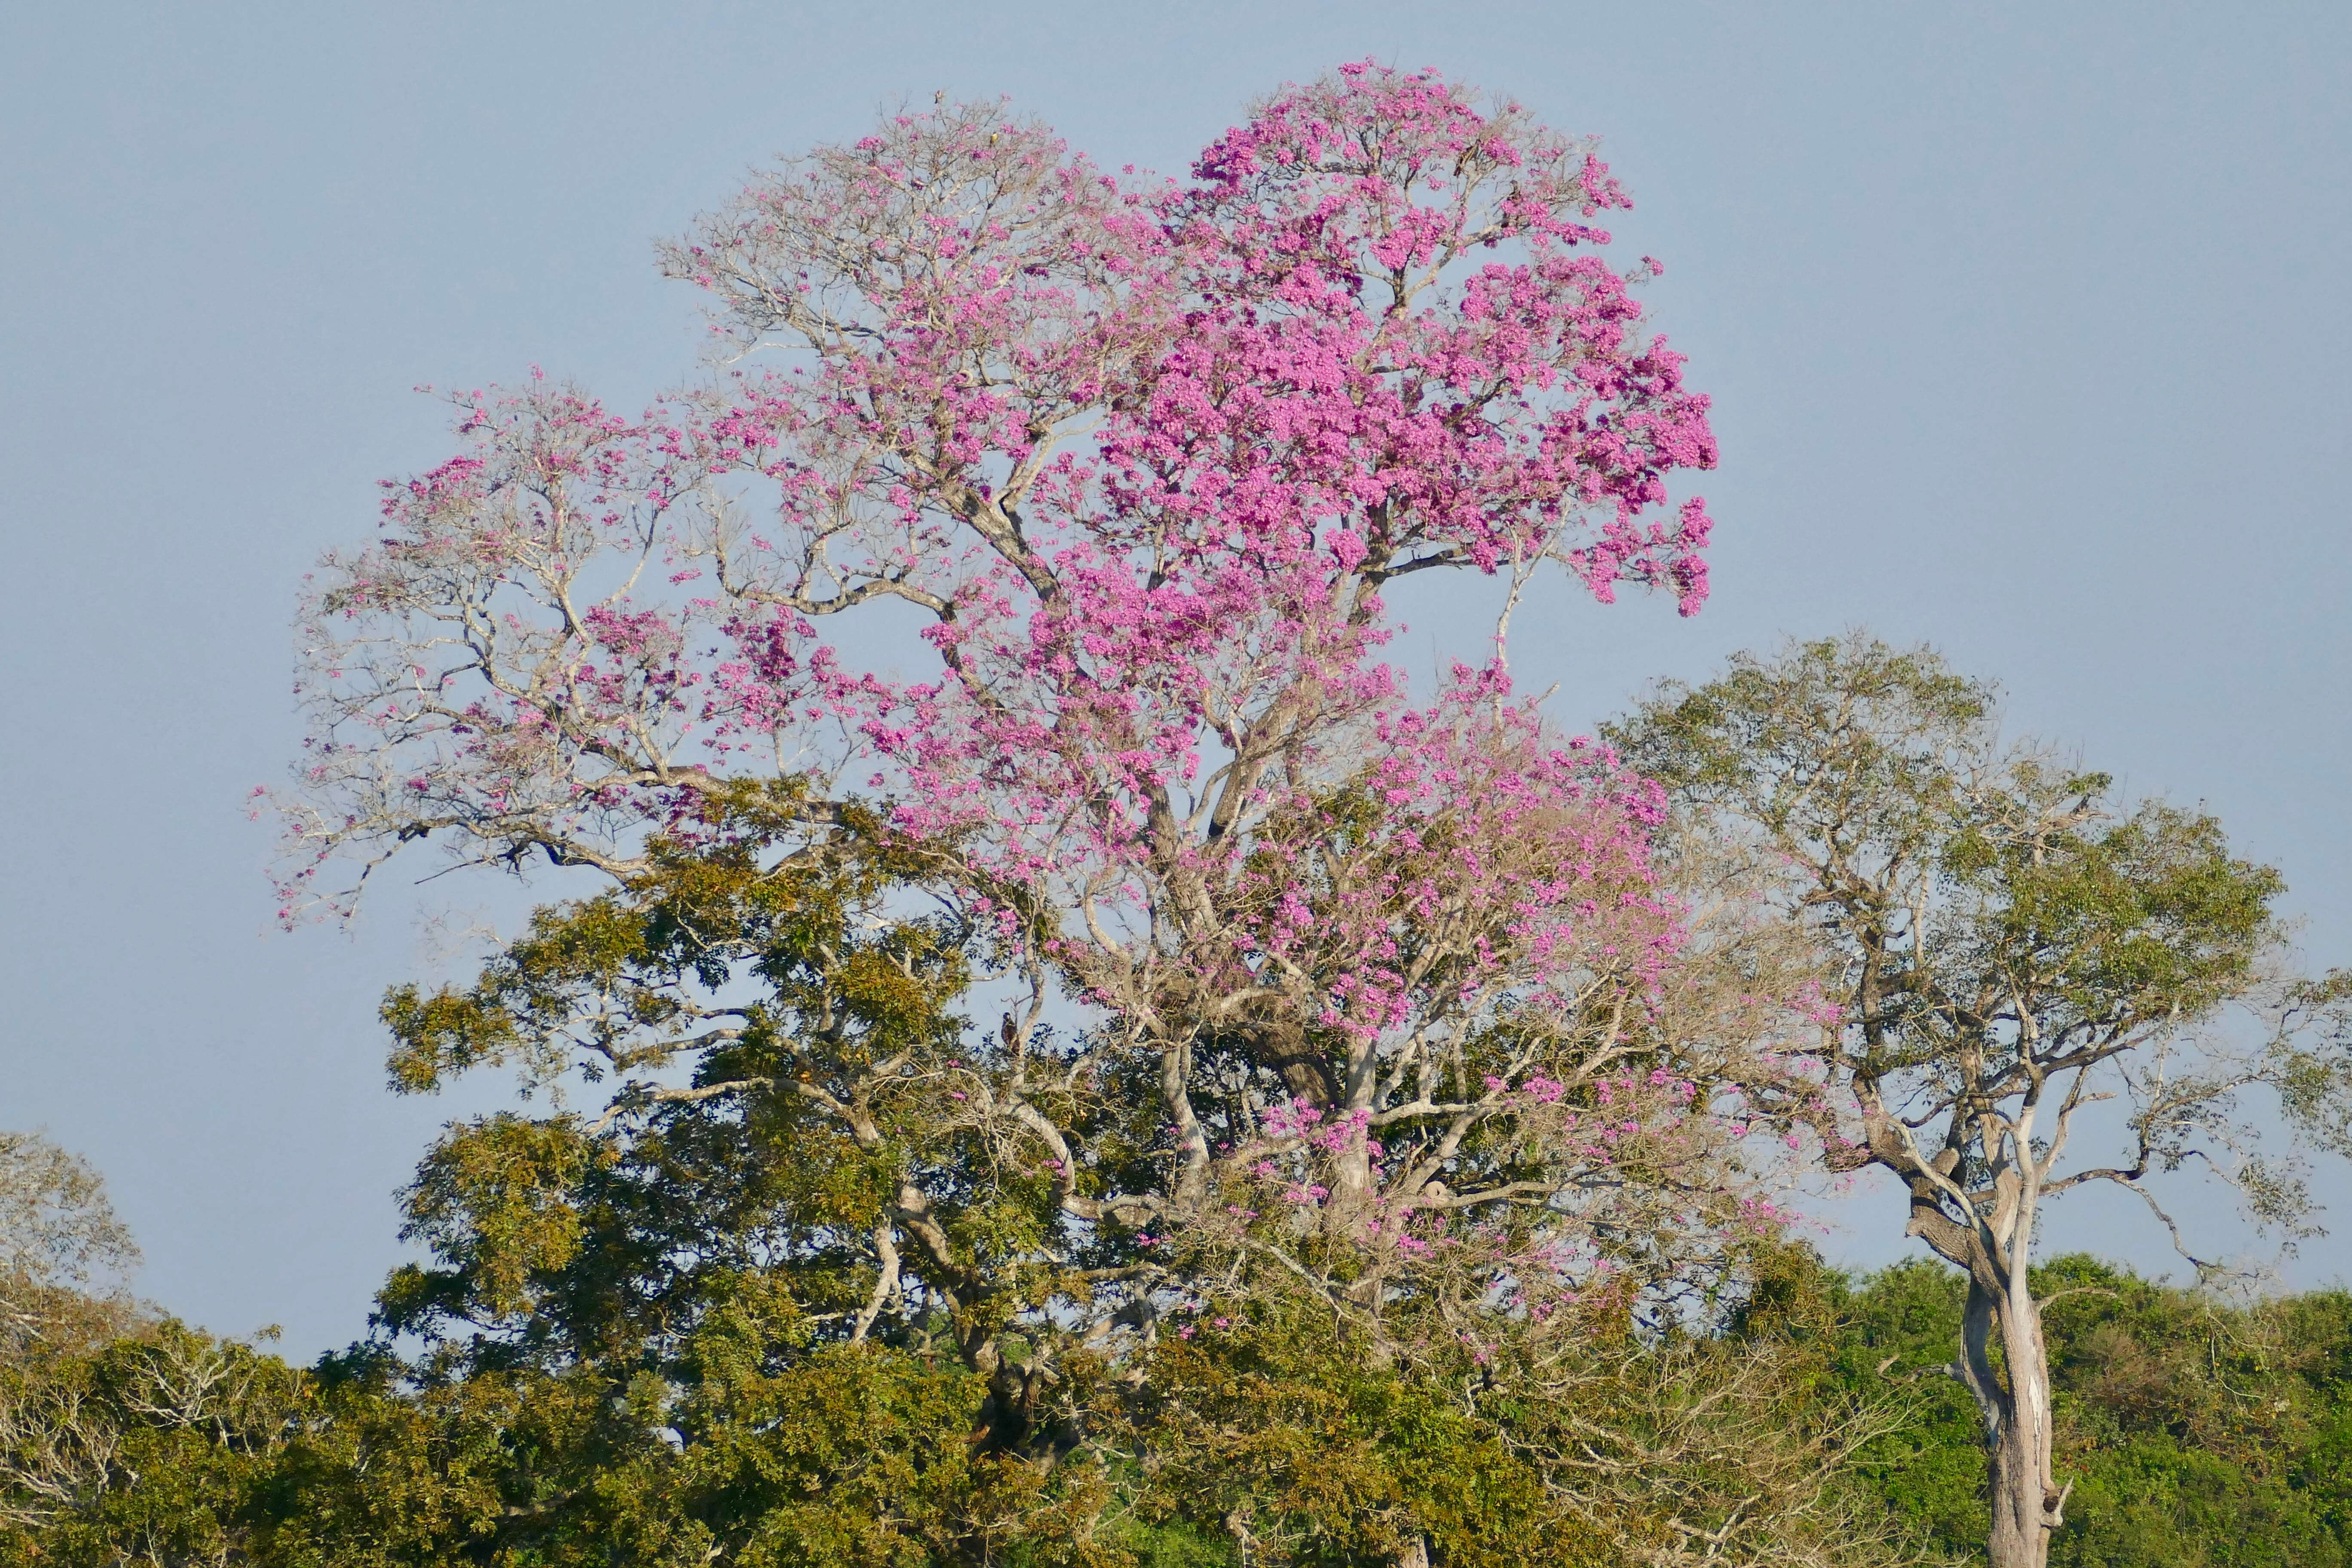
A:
(2027, 328)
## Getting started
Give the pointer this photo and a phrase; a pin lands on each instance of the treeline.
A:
(838, 1275)
(1083, 1067)
(2195, 1428)
(2198, 1430)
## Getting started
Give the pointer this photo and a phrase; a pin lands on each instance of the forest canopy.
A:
(1080, 1062)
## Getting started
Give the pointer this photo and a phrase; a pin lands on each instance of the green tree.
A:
(1589, 1444)
(719, 1251)
(65, 1258)
(2200, 1430)
(146, 1449)
(2005, 944)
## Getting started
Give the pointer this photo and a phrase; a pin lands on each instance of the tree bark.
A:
(2018, 1539)
(2026, 1506)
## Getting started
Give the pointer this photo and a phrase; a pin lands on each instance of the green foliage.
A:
(148, 1449)
(1982, 897)
(1830, 735)
(2193, 1430)
(2004, 943)
(172, 1447)
(813, 1026)
(1312, 1438)
(793, 1299)
(1289, 1434)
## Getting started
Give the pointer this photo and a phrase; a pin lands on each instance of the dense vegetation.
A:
(2198, 1430)
(811, 1304)
(824, 1302)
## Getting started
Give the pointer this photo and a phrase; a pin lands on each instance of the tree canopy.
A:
(1078, 1062)
(2005, 946)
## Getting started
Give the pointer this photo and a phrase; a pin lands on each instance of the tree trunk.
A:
(2018, 1539)
(1413, 1554)
(2026, 1507)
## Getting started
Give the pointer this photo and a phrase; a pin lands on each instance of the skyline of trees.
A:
(1056, 1052)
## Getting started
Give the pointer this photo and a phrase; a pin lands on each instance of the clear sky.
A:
(2027, 327)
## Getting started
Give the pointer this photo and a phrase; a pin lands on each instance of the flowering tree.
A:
(1110, 480)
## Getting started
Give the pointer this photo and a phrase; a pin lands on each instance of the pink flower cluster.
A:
(1140, 460)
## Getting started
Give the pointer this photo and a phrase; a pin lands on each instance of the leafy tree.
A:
(2005, 947)
(1290, 977)
(2201, 1430)
(65, 1257)
(1589, 1445)
(143, 1449)
(716, 1252)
